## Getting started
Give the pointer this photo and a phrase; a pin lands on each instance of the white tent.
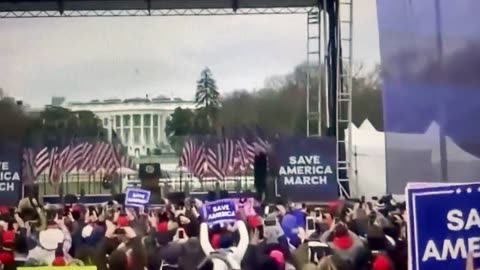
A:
(369, 159)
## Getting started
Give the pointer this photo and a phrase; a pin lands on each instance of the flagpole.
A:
(89, 180)
(181, 176)
(67, 184)
(44, 183)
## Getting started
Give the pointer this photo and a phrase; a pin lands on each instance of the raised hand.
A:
(469, 264)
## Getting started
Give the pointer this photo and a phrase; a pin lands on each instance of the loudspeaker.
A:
(156, 195)
(260, 170)
(30, 191)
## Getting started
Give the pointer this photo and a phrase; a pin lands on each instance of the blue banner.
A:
(220, 211)
(444, 225)
(10, 172)
(430, 62)
(137, 197)
(306, 168)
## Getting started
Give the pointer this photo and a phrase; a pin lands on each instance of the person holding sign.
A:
(227, 257)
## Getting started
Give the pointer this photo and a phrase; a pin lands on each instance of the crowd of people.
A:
(343, 235)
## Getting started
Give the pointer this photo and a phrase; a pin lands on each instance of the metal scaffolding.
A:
(318, 85)
(314, 66)
(154, 12)
(344, 98)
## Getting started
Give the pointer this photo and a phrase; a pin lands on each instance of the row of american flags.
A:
(88, 157)
(221, 158)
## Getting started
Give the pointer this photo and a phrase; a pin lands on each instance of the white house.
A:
(140, 122)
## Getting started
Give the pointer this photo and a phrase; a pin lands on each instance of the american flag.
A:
(193, 158)
(223, 158)
(249, 151)
(63, 158)
(228, 154)
(187, 157)
(28, 166)
(100, 156)
(261, 143)
(113, 160)
(75, 157)
(53, 172)
(241, 160)
(215, 161)
(200, 159)
(42, 161)
(87, 158)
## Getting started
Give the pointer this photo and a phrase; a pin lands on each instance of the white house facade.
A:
(140, 122)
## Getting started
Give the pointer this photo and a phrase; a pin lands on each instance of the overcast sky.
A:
(97, 58)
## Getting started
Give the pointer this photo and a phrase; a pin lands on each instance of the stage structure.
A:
(329, 49)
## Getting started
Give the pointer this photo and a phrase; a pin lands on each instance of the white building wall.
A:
(108, 112)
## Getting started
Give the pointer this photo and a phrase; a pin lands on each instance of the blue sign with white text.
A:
(137, 197)
(444, 225)
(10, 174)
(220, 211)
(306, 168)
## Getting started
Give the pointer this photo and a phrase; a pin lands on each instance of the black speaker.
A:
(30, 191)
(260, 170)
(156, 196)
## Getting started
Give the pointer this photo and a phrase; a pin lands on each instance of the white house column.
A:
(142, 138)
(159, 127)
(122, 134)
(110, 127)
(152, 139)
(131, 130)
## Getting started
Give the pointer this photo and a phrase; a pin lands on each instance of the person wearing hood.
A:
(227, 257)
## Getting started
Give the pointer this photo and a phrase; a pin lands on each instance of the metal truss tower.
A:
(314, 69)
(344, 98)
(317, 85)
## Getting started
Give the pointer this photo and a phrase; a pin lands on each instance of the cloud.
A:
(96, 58)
